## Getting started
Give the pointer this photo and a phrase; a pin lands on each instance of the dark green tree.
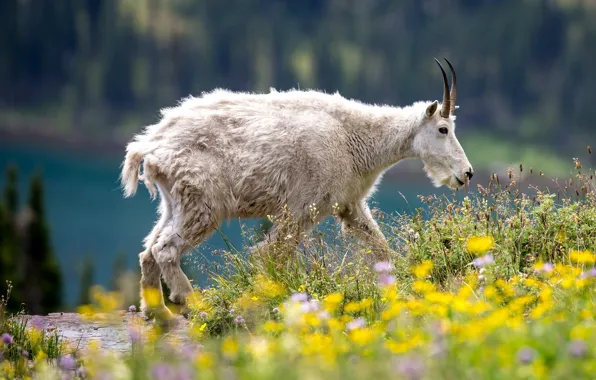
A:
(87, 281)
(118, 270)
(43, 290)
(11, 192)
(10, 265)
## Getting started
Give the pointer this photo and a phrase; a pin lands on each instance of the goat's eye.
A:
(443, 130)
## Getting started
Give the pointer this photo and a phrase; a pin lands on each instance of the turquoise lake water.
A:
(89, 217)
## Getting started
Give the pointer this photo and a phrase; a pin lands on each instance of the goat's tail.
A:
(129, 178)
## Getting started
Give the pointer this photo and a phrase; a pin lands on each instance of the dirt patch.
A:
(115, 333)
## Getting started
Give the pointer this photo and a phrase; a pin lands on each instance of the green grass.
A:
(27, 343)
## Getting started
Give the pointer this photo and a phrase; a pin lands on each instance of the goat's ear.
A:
(430, 110)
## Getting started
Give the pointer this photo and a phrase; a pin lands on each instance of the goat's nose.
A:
(470, 174)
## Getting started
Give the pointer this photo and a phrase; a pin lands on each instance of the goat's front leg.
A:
(357, 220)
(284, 238)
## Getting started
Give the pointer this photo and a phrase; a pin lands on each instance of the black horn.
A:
(446, 104)
(453, 94)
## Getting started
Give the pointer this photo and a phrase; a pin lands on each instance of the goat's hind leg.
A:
(152, 301)
(168, 253)
(197, 221)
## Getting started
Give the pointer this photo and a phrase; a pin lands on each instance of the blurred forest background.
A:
(91, 73)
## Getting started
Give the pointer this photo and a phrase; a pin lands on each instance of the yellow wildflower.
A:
(361, 336)
(229, 347)
(365, 303)
(540, 309)
(197, 331)
(267, 288)
(505, 288)
(352, 307)
(491, 293)
(390, 293)
(402, 347)
(580, 332)
(582, 257)
(423, 287)
(422, 270)
(393, 311)
(272, 326)
(480, 244)
(152, 297)
(205, 360)
(335, 325)
(311, 319)
(247, 301)
(415, 306)
(332, 301)
(87, 311)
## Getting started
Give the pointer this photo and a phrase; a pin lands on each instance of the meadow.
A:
(500, 285)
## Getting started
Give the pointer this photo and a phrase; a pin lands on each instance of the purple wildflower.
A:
(67, 363)
(162, 371)
(357, 323)
(410, 368)
(135, 334)
(184, 373)
(203, 315)
(386, 279)
(546, 268)
(25, 353)
(311, 306)
(589, 274)
(578, 348)
(484, 261)
(132, 309)
(231, 311)
(7, 339)
(275, 310)
(299, 297)
(239, 320)
(526, 355)
(383, 267)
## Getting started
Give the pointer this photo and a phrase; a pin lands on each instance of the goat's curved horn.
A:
(446, 104)
(453, 94)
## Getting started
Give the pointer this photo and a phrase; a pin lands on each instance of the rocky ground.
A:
(114, 334)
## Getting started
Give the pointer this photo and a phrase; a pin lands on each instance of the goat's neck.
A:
(386, 139)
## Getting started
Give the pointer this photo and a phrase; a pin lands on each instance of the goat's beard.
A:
(439, 176)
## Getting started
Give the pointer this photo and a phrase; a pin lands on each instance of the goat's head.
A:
(444, 159)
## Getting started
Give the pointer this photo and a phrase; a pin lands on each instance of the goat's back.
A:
(259, 151)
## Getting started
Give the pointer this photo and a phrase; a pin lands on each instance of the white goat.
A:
(239, 155)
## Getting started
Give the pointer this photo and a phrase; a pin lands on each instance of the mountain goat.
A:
(241, 155)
